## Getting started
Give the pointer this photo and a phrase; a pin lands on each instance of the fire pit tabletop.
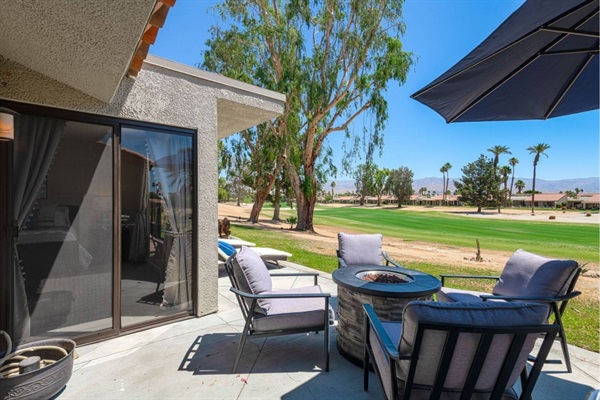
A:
(419, 283)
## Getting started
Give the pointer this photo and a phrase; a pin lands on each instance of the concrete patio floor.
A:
(193, 359)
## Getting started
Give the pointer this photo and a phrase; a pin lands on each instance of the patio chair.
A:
(269, 312)
(226, 250)
(456, 350)
(527, 277)
(362, 250)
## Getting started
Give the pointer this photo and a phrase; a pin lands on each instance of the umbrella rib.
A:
(595, 35)
(508, 46)
(573, 51)
(572, 81)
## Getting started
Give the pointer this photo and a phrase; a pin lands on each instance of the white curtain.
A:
(171, 170)
(138, 247)
(36, 141)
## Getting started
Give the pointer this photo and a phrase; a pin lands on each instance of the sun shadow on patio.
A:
(214, 353)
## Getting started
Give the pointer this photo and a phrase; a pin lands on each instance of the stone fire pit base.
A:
(351, 318)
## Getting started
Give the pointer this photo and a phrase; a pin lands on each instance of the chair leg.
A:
(326, 335)
(565, 347)
(562, 336)
(239, 352)
(241, 343)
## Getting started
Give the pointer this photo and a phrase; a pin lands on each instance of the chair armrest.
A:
(279, 296)
(444, 276)
(390, 348)
(568, 296)
(313, 274)
(389, 261)
(342, 263)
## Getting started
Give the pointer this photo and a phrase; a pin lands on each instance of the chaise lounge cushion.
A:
(471, 314)
(527, 274)
(361, 249)
(252, 276)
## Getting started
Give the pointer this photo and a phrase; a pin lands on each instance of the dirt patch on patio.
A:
(325, 242)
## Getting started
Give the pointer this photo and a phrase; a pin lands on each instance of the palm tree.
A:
(332, 187)
(445, 178)
(512, 161)
(520, 185)
(497, 151)
(538, 149)
(504, 171)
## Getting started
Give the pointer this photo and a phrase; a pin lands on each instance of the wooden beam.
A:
(150, 35)
(159, 16)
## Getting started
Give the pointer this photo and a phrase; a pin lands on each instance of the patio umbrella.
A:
(542, 62)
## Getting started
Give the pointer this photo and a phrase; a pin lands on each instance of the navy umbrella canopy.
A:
(542, 62)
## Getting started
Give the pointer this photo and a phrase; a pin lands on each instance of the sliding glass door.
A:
(63, 207)
(156, 224)
(102, 238)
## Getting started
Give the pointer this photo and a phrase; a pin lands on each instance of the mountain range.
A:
(588, 185)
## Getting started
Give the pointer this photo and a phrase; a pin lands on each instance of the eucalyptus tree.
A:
(380, 182)
(401, 184)
(364, 181)
(513, 161)
(538, 150)
(333, 59)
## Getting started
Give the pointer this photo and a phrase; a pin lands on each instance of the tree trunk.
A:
(277, 201)
(478, 209)
(512, 181)
(306, 212)
(259, 201)
(533, 192)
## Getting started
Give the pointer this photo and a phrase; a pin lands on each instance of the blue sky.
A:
(439, 33)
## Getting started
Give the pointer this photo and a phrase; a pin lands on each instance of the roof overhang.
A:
(87, 45)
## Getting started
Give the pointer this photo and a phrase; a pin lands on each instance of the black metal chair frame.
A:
(249, 312)
(528, 381)
(388, 260)
(558, 305)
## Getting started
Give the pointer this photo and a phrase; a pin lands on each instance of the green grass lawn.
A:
(581, 318)
(562, 240)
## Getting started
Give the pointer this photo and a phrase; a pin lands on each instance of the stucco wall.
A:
(164, 95)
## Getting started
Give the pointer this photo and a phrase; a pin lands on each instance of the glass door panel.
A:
(63, 205)
(156, 224)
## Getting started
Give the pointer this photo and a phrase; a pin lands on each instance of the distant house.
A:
(547, 200)
(585, 201)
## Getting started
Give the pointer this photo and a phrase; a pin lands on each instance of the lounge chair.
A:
(457, 350)
(271, 312)
(362, 250)
(268, 254)
(527, 277)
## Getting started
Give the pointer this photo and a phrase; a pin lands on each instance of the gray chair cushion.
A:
(471, 314)
(252, 275)
(293, 313)
(448, 295)
(527, 274)
(361, 249)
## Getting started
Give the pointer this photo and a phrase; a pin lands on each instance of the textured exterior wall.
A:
(84, 44)
(165, 96)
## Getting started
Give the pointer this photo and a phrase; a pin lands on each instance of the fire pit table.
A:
(370, 284)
